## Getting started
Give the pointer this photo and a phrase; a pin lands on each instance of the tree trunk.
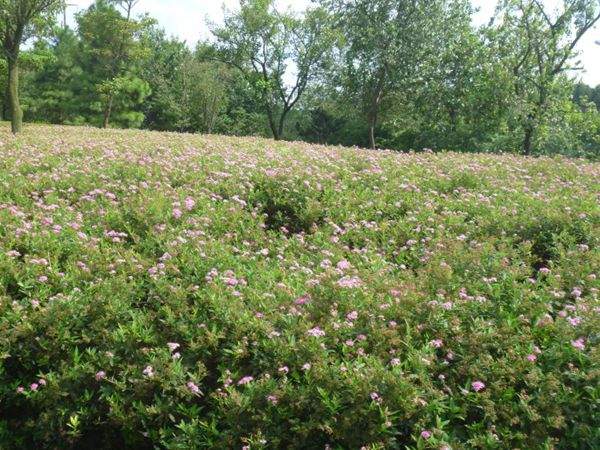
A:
(372, 134)
(281, 124)
(5, 108)
(376, 102)
(16, 113)
(274, 129)
(107, 111)
(528, 139)
(373, 124)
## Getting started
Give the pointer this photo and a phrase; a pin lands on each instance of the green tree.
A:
(205, 94)
(461, 98)
(19, 20)
(54, 91)
(111, 50)
(582, 94)
(387, 44)
(126, 5)
(279, 54)
(539, 46)
(162, 70)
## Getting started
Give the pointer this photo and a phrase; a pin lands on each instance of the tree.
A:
(111, 48)
(53, 90)
(126, 5)
(387, 41)
(461, 97)
(162, 69)
(205, 93)
(269, 48)
(19, 20)
(582, 94)
(539, 47)
(319, 125)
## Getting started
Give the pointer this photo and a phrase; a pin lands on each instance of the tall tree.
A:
(278, 53)
(539, 46)
(461, 96)
(111, 48)
(387, 42)
(126, 5)
(19, 20)
(162, 69)
(53, 90)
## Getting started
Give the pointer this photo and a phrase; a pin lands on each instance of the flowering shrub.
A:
(179, 291)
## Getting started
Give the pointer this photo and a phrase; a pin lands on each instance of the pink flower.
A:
(42, 382)
(425, 434)
(272, 399)
(283, 370)
(531, 357)
(375, 397)
(173, 346)
(302, 300)
(306, 367)
(349, 343)
(34, 386)
(352, 316)
(478, 385)
(437, 343)
(100, 375)
(343, 265)
(192, 387)
(245, 380)
(20, 390)
(316, 332)
(349, 282)
(395, 293)
(177, 213)
(189, 203)
(395, 362)
(579, 344)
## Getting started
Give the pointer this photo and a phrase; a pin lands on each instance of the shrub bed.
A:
(178, 291)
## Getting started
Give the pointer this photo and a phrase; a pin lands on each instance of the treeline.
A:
(401, 74)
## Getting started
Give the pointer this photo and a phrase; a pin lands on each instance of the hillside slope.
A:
(184, 291)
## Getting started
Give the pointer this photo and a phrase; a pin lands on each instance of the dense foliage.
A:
(180, 291)
(381, 73)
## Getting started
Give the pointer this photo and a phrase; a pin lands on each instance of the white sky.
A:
(186, 19)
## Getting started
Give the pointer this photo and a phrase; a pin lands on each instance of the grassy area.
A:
(183, 291)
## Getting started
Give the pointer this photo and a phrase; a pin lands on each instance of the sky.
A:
(187, 20)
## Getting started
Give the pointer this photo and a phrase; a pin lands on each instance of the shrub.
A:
(179, 291)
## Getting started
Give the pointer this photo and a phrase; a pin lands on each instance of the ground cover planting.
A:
(162, 290)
